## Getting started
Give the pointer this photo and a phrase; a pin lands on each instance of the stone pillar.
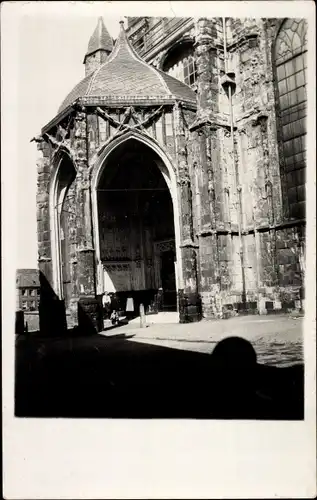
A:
(208, 238)
(43, 212)
(189, 300)
(205, 55)
(276, 160)
(207, 106)
(89, 308)
(51, 309)
(72, 237)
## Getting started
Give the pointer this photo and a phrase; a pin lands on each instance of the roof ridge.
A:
(136, 56)
(110, 58)
(163, 81)
(93, 77)
(122, 74)
(173, 78)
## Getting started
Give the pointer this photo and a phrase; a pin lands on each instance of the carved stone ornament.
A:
(164, 246)
(129, 113)
(116, 267)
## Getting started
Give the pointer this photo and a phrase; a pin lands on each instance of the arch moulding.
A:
(165, 165)
(54, 212)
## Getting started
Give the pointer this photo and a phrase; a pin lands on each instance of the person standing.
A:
(106, 301)
(114, 309)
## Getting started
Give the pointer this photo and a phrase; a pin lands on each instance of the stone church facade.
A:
(174, 172)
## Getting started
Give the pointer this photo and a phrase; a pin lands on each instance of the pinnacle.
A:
(100, 39)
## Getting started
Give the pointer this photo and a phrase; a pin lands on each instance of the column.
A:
(208, 237)
(209, 286)
(72, 238)
(189, 300)
(89, 307)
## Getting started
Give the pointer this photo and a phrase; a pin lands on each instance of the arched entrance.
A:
(137, 229)
(62, 214)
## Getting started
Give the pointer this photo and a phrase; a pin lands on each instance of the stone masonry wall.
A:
(239, 249)
(249, 258)
(277, 262)
(43, 212)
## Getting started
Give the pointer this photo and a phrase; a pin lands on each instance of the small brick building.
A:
(28, 289)
(176, 169)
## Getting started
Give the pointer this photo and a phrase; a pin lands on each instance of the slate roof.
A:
(125, 75)
(100, 39)
(27, 278)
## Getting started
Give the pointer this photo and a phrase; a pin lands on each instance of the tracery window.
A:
(291, 74)
(180, 63)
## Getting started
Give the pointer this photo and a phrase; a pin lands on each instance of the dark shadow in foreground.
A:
(98, 377)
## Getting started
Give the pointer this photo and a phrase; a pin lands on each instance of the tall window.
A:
(180, 63)
(291, 72)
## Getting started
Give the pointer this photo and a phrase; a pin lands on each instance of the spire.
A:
(100, 39)
(123, 44)
(99, 47)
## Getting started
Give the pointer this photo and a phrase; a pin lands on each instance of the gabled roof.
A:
(100, 39)
(126, 76)
(27, 278)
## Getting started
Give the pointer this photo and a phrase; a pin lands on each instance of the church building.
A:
(174, 172)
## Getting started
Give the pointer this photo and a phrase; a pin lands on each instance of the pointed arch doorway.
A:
(136, 223)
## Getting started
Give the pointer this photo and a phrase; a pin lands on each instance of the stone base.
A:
(19, 322)
(52, 318)
(212, 303)
(90, 318)
(189, 307)
(72, 313)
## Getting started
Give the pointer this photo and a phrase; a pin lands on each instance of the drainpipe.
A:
(229, 85)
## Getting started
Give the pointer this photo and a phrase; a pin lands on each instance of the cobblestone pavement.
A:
(277, 340)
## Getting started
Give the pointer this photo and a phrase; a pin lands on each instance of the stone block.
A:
(90, 318)
(19, 322)
(190, 307)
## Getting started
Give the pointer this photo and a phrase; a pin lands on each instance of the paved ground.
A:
(277, 340)
(165, 371)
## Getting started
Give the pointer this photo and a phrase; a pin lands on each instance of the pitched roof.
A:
(125, 75)
(27, 278)
(100, 39)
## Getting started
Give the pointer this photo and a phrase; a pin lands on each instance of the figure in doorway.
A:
(106, 305)
(114, 309)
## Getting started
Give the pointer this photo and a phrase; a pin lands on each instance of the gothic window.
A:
(291, 74)
(180, 63)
